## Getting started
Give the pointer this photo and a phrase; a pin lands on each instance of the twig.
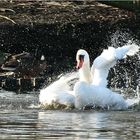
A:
(5, 10)
(4, 17)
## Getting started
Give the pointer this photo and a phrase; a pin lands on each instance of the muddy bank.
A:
(58, 29)
(31, 13)
(50, 27)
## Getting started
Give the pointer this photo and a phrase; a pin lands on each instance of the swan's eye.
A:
(81, 57)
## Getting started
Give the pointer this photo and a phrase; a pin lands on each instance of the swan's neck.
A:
(85, 74)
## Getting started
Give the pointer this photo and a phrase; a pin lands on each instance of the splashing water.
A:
(123, 77)
(126, 72)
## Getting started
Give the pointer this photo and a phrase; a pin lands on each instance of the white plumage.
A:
(91, 88)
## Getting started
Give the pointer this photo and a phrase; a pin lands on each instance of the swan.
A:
(91, 89)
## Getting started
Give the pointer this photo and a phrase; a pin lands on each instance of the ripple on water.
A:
(24, 120)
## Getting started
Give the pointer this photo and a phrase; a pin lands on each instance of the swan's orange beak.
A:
(79, 64)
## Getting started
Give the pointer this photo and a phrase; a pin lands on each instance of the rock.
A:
(24, 65)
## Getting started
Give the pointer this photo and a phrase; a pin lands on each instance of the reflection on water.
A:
(20, 118)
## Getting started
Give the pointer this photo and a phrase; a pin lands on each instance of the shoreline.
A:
(58, 29)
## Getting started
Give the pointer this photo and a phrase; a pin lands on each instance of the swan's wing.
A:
(109, 56)
(101, 66)
(129, 49)
(49, 98)
(70, 79)
(108, 59)
(59, 92)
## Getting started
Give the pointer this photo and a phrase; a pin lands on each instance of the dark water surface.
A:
(21, 118)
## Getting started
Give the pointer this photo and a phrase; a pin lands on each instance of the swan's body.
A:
(91, 87)
(96, 96)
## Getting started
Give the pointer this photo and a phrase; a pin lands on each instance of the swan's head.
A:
(82, 58)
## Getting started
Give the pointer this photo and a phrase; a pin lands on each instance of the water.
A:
(21, 118)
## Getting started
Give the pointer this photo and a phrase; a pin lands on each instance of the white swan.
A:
(91, 88)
